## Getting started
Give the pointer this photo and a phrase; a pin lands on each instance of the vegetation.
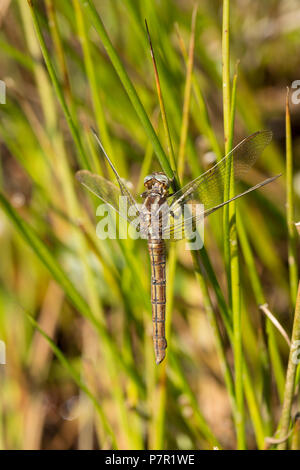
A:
(75, 312)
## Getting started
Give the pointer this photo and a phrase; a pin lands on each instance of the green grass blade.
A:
(187, 97)
(290, 378)
(230, 236)
(162, 105)
(92, 78)
(260, 300)
(126, 82)
(58, 89)
(290, 209)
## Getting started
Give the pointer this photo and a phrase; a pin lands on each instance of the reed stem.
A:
(290, 210)
(230, 235)
(290, 376)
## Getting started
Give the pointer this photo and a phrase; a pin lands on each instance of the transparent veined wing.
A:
(208, 188)
(109, 193)
(125, 192)
(186, 227)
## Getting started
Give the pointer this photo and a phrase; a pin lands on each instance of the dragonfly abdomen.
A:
(158, 296)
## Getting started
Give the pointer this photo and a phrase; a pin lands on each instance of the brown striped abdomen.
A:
(158, 296)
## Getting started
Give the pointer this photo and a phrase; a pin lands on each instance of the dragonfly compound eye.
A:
(161, 178)
(147, 179)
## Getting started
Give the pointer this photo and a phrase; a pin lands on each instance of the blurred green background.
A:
(92, 382)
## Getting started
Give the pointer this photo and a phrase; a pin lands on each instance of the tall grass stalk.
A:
(290, 378)
(162, 105)
(293, 269)
(261, 300)
(59, 50)
(296, 434)
(230, 236)
(136, 102)
(290, 210)
(204, 121)
(187, 96)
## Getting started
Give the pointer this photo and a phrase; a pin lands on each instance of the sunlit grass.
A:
(87, 63)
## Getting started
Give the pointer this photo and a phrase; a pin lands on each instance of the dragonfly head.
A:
(157, 182)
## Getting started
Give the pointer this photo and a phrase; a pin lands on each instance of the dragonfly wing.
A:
(108, 193)
(124, 191)
(208, 188)
(187, 226)
(183, 225)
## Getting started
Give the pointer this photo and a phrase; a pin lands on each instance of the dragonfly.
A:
(208, 189)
